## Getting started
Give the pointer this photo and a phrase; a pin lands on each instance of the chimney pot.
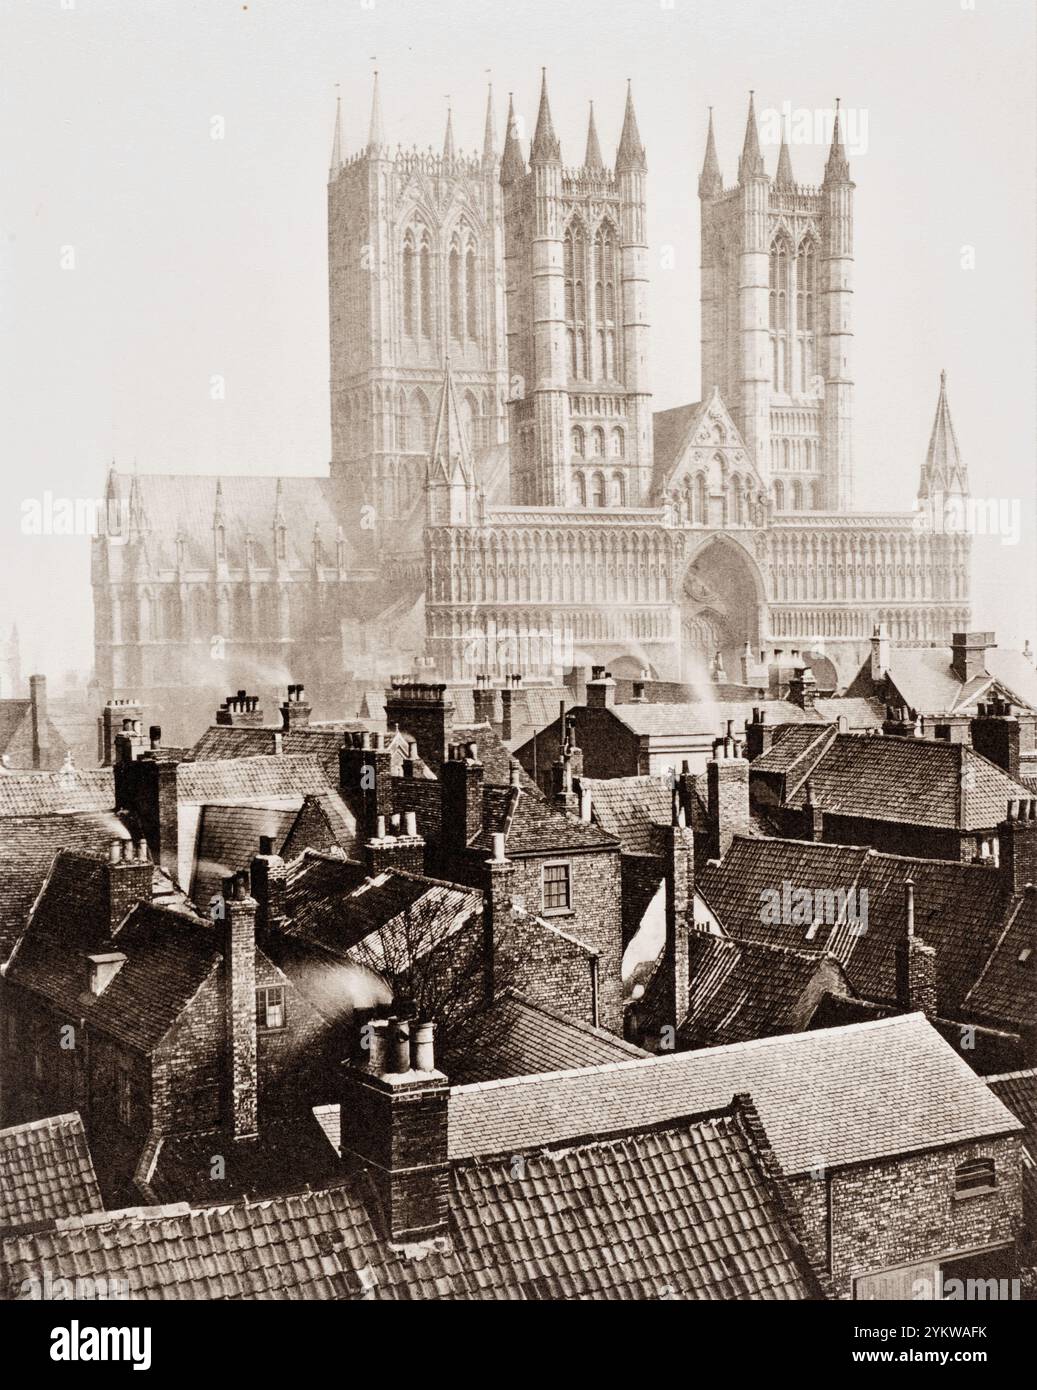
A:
(115, 852)
(410, 822)
(423, 1051)
(399, 1045)
(498, 846)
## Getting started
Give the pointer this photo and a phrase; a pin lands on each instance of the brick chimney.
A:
(396, 846)
(146, 788)
(759, 735)
(601, 689)
(880, 650)
(240, 711)
(40, 724)
(461, 795)
(365, 776)
(803, 688)
(902, 721)
(295, 712)
(567, 768)
(394, 1115)
(679, 853)
(239, 981)
(915, 964)
(813, 816)
(484, 698)
(996, 735)
(424, 712)
(727, 793)
(128, 875)
(497, 911)
(969, 654)
(111, 722)
(269, 886)
(1017, 844)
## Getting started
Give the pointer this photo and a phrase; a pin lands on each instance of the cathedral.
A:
(501, 495)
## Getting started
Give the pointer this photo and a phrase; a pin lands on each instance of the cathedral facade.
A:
(501, 495)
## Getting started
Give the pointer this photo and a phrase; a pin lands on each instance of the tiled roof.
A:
(228, 838)
(495, 757)
(532, 826)
(628, 808)
(706, 718)
(741, 990)
(228, 779)
(1006, 990)
(46, 1172)
(54, 793)
(169, 953)
(517, 1037)
(840, 1096)
(28, 845)
(924, 678)
(1018, 1091)
(959, 909)
(793, 742)
(227, 741)
(859, 713)
(912, 781)
(694, 1211)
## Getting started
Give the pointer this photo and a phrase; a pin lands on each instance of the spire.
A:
(448, 138)
(376, 136)
(450, 440)
(217, 511)
(630, 154)
(336, 141)
(710, 181)
(592, 159)
(837, 169)
(750, 166)
(784, 178)
(545, 148)
(489, 143)
(513, 164)
(943, 471)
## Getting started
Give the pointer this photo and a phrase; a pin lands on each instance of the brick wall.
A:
(903, 1210)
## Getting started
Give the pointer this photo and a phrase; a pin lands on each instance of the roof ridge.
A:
(48, 1122)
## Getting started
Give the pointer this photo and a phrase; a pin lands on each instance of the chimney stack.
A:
(295, 712)
(365, 776)
(394, 1115)
(239, 978)
(484, 698)
(461, 778)
(969, 654)
(915, 964)
(269, 886)
(759, 735)
(146, 788)
(401, 848)
(601, 689)
(996, 735)
(40, 724)
(803, 688)
(424, 712)
(240, 711)
(680, 895)
(111, 723)
(497, 911)
(128, 876)
(727, 794)
(879, 654)
(1017, 844)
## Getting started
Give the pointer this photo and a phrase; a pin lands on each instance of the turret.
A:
(837, 333)
(943, 473)
(755, 370)
(710, 182)
(452, 492)
(592, 160)
(631, 171)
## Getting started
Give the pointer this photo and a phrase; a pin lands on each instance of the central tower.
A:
(576, 285)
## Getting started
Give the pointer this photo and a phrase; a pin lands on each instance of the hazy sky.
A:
(194, 257)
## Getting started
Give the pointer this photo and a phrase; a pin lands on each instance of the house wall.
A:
(903, 1210)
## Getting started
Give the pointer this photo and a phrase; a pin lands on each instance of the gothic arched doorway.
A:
(720, 610)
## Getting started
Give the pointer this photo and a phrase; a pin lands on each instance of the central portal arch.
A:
(722, 605)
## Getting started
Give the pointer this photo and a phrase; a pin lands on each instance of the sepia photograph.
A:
(518, 706)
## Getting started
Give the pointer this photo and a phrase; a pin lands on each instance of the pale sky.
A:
(196, 257)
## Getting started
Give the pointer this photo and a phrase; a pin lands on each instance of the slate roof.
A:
(46, 1172)
(693, 1211)
(911, 781)
(222, 741)
(841, 1096)
(1006, 990)
(28, 845)
(860, 713)
(706, 718)
(532, 826)
(494, 755)
(228, 838)
(793, 742)
(628, 807)
(924, 678)
(249, 778)
(741, 990)
(959, 909)
(16, 729)
(1018, 1091)
(54, 793)
(517, 1037)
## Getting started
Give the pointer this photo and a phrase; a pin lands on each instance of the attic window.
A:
(974, 1177)
(270, 1008)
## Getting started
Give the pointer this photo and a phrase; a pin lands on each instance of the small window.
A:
(557, 897)
(270, 1008)
(975, 1176)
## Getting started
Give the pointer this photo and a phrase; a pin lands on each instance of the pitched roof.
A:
(705, 718)
(46, 1172)
(1006, 990)
(912, 781)
(959, 909)
(696, 1210)
(517, 1037)
(742, 989)
(926, 681)
(28, 845)
(230, 741)
(795, 742)
(229, 779)
(532, 826)
(55, 793)
(629, 807)
(841, 1096)
(228, 838)
(1018, 1091)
